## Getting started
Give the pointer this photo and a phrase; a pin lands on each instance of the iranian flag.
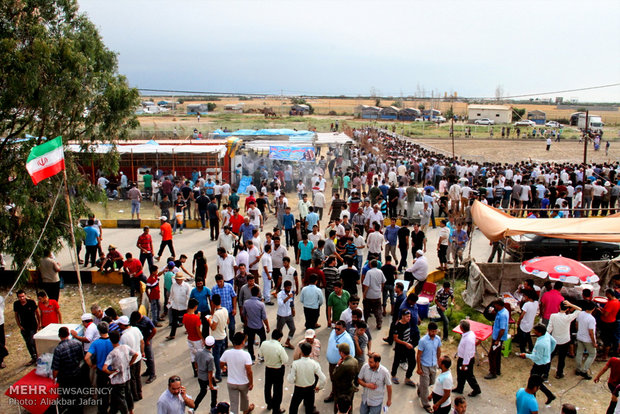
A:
(46, 160)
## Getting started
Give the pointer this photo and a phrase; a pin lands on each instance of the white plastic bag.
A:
(433, 313)
(44, 365)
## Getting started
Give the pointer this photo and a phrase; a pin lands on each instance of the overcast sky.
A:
(352, 47)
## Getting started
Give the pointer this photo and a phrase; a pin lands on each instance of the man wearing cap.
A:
(310, 339)
(344, 374)
(418, 271)
(180, 292)
(145, 244)
(206, 368)
(165, 230)
(275, 358)
(90, 332)
(132, 337)
(304, 373)
(113, 260)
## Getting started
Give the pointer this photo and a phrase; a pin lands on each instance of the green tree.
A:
(450, 113)
(57, 78)
(398, 103)
(211, 106)
(421, 107)
(517, 114)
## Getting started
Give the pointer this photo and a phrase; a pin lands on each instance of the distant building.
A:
(389, 112)
(501, 114)
(195, 109)
(409, 114)
(299, 109)
(539, 117)
(236, 107)
(368, 112)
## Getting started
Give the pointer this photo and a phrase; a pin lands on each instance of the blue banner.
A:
(286, 153)
(243, 184)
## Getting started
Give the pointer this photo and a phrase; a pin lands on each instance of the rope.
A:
(38, 241)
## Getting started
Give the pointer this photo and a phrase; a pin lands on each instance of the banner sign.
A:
(286, 153)
(243, 184)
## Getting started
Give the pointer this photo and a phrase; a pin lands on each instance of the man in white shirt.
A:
(132, 337)
(374, 241)
(374, 216)
(177, 302)
(278, 253)
(419, 271)
(254, 257)
(586, 340)
(372, 288)
(118, 362)
(466, 361)
(559, 328)
(286, 312)
(288, 272)
(226, 240)
(238, 363)
(267, 271)
(526, 321)
(226, 264)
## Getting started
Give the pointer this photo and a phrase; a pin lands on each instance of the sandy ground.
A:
(510, 151)
(172, 357)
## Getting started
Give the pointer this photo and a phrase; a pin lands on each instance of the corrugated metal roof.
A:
(490, 107)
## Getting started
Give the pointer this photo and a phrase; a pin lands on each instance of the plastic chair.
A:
(428, 291)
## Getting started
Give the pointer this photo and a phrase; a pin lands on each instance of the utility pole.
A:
(585, 141)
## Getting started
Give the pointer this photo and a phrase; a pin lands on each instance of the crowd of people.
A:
(348, 270)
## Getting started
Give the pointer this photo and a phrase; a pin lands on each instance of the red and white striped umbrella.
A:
(560, 269)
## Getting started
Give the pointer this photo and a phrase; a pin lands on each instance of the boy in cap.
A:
(206, 367)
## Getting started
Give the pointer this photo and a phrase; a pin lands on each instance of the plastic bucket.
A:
(128, 305)
(423, 307)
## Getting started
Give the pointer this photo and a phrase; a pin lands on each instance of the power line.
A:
(564, 91)
(175, 91)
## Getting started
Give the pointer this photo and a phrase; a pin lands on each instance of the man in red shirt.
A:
(609, 324)
(613, 383)
(249, 199)
(145, 244)
(113, 260)
(133, 267)
(236, 220)
(165, 229)
(315, 270)
(193, 326)
(550, 302)
(49, 310)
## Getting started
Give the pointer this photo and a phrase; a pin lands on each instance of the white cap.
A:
(163, 218)
(310, 333)
(123, 320)
(420, 252)
(209, 341)
(88, 317)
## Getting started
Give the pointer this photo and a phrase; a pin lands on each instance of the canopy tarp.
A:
(327, 138)
(152, 148)
(497, 225)
(291, 133)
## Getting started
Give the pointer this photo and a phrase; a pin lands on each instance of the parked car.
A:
(528, 246)
(484, 121)
(439, 119)
(525, 122)
(553, 124)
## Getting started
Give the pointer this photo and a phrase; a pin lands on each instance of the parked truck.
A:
(595, 123)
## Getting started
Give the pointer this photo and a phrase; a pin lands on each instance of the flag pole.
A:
(73, 250)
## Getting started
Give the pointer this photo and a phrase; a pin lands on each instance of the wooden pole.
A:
(501, 275)
(585, 141)
(132, 170)
(74, 255)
